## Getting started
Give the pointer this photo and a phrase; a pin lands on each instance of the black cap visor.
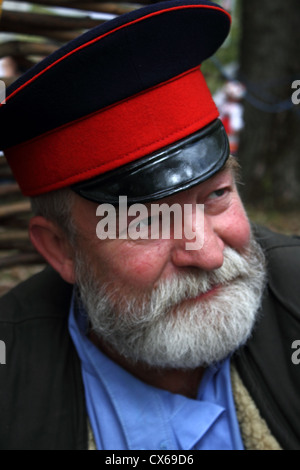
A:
(170, 170)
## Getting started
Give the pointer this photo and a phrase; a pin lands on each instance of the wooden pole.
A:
(20, 48)
(16, 208)
(21, 259)
(9, 189)
(93, 5)
(20, 22)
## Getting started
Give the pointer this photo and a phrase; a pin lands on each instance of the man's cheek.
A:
(242, 232)
(139, 266)
(236, 231)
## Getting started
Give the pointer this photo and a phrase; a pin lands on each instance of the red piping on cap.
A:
(114, 136)
(212, 7)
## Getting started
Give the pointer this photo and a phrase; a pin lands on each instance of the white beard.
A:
(166, 330)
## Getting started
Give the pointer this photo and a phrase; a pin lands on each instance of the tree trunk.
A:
(270, 143)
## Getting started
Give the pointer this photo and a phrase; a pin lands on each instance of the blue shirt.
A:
(127, 414)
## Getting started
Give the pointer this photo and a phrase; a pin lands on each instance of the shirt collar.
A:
(170, 421)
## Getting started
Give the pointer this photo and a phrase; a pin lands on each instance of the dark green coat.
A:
(42, 403)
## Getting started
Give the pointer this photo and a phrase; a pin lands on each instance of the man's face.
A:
(141, 264)
(182, 294)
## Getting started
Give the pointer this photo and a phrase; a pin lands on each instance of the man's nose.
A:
(208, 256)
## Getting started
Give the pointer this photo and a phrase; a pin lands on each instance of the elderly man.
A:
(144, 341)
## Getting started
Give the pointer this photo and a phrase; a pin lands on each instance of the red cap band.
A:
(114, 136)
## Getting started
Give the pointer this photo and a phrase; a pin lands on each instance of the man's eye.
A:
(218, 193)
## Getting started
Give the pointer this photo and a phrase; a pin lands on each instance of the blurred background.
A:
(253, 78)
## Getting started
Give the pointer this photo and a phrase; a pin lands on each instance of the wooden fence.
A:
(18, 258)
(35, 34)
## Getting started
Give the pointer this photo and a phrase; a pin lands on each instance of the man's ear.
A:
(52, 243)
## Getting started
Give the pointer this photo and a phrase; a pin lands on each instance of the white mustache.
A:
(187, 286)
(154, 328)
